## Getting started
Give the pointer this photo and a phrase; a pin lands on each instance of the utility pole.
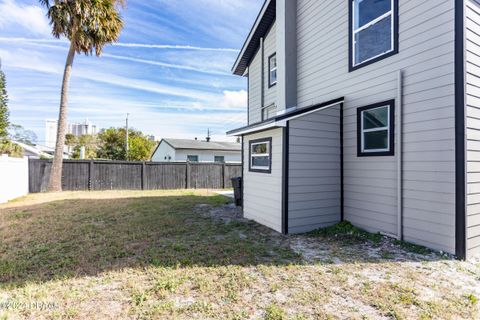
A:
(208, 135)
(126, 137)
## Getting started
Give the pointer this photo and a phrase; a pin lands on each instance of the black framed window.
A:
(376, 129)
(373, 31)
(219, 159)
(192, 158)
(272, 70)
(260, 155)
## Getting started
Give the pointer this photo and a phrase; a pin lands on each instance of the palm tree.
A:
(89, 25)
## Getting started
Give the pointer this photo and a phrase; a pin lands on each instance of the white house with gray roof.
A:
(182, 150)
(366, 111)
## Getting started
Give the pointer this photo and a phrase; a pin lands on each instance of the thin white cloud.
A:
(28, 17)
(26, 60)
(175, 47)
(121, 44)
(163, 64)
(198, 99)
(197, 65)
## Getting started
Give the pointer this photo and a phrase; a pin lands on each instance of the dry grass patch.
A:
(187, 255)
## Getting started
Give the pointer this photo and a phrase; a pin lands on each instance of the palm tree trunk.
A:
(55, 181)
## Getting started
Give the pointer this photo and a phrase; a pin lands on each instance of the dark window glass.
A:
(219, 159)
(375, 140)
(192, 158)
(261, 161)
(375, 118)
(368, 10)
(374, 40)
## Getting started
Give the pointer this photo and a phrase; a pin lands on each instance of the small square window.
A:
(191, 158)
(272, 70)
(375, 129)
(261, 155)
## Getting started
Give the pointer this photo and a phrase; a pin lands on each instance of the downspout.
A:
(400, 155)
(262, 101)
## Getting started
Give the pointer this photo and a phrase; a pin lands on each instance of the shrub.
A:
(10, 148)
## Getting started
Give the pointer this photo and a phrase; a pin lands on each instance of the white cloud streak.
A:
(175, 47)
(163, 64)
(121, 44)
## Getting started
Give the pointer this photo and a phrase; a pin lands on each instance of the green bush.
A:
(10, 148)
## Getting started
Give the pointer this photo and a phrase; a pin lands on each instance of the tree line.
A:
(110, 144)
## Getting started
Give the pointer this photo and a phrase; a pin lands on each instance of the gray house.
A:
(366, 111)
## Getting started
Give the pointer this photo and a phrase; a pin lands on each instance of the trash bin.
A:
(237, 190)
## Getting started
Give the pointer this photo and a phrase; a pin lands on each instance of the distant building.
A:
(151, 137)
(182, 150)
(77, 129)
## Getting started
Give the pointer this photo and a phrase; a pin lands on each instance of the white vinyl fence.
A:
(13, 178)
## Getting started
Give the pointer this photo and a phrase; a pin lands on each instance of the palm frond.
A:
(89, 24)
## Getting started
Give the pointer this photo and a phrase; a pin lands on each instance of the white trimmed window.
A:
(261, 155)
(376, 129)
(374, 33)
(272, 70)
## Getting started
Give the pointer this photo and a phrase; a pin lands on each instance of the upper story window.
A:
(376, 129)
(373, 31)
(272, 70)
(261, 155)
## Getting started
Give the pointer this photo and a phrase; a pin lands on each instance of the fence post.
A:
(144, 175)
(90, 175)
(188, 178)
(223, 176)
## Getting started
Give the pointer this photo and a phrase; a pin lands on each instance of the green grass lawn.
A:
(152, 255)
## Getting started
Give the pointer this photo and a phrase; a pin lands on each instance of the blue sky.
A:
(170, 69)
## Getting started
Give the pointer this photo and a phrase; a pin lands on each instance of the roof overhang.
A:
(281, 120)
(262, 24)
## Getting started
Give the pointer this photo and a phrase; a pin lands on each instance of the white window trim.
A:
(368, 25)
(271, 70)
(387, 128)
(252, 155)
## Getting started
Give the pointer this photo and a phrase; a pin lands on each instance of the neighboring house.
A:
(33, 151)
(38, 151)
(366, 111)
(180, 150)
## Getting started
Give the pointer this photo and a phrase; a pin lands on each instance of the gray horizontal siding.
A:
(270, 48)
(263, 191)
(426, 56)
(472, 25)
(314, 175)
(255, 79)
(255, 89)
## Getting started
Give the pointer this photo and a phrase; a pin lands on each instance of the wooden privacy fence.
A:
(123, 175)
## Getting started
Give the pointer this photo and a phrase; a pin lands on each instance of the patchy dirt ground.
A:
(423, 275)
(190, 255)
